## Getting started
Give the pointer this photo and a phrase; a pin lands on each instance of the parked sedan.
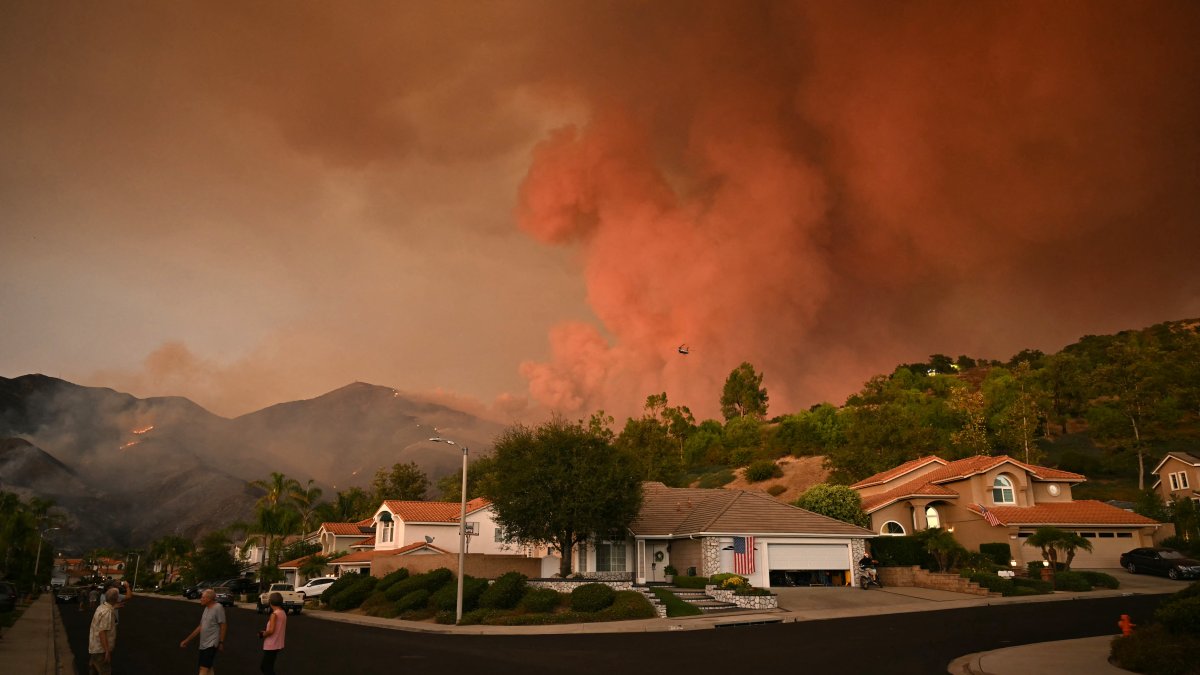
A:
(224, 595)
(1161, 561)
(315, 587)
(193, 592)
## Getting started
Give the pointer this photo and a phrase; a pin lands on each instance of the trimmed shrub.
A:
(446, 597)
(592, 597)
(430, 581)
(505, 592)
(993, 583)
(627, 605)
(763, 469)
(343, 582)
(379, 605)
(391, 578)
(354, 595)
(719, 580)
(478, 616)
(900, 551)
(1180, 616)
(999, 553)
(1155, 650)
(1071, 581)
(690, 582)
(417, 599)
(776, 490)
(675, 606)
(1100, 579)
(1025, 590)
(1037, 585)
(447, 616)
(540, 600)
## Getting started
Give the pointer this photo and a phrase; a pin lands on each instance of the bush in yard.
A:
(391, 578)
(343, 582)
(1153, 649)
(477, 616)
(540, 600)
(1100, 579)
(776, 490)
(993, 583)
(999, 553)
(446, 597)
(1181, 616)
(355, 595)
(1071, 581)
(900, 551)
(627, 605)
(417, 599)
(505, 592)
(719, 580)
(690, 582)
(430, 581)
(763, 469)
(1037, 585)
(592, 597)
(379, 605)
(675, 606)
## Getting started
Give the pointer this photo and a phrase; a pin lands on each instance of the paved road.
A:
(151, 628)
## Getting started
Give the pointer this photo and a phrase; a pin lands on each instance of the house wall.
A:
(899, 512)
(685, 553)
(1176, 465)
(477, 564)
(1041, 492)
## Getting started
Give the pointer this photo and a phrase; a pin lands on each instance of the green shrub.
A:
(343, 582)
(776, 490)
(763, 469)
(446, 597)
(993, 583)
(675, 606)
(592, 597)
(478, 616)
(690, 582)
(1180, 616)
(1071, 581)
(900, 551)
(716, 479)
(719, 580)
(1037, 585)
(391, 578)
(1025, 590)
(1153, 649)
(627, 605)
(419, 614)
(1100, 579)
(354, 595)
(539, 600)
(999, 552)
(430, 581)
(417, 599)
(1191, 591)
(505, 592)
(446, 616)
(379, 605)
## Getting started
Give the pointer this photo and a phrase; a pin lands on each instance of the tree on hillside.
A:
(349, 505)
(743, 394)
(971, 438)
(646, 439)
(1015, 402)
(836, 501)
(406, 482)
(306, 499)
(1062, 379)
(561, 483)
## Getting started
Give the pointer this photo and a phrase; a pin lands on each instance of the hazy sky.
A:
(526, 206)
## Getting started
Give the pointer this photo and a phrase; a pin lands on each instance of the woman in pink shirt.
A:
(272, 637)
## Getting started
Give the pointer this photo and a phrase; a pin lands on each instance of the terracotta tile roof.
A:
(347, 529)
(369, 542)
(1185, 457)
(294, 564)
(432, 512)
(683, 511)
(1080, 512)
(367, 556)
(915, 488)
(885, 476)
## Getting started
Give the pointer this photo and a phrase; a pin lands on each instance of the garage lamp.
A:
(1012, 563)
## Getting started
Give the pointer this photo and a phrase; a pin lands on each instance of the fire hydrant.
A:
(1126, 625)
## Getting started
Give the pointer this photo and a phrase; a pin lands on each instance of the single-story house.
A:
(1178, 477)
(709, 531)
(985, 499)
(398, 524)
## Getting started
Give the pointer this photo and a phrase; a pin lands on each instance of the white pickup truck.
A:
(292, 601)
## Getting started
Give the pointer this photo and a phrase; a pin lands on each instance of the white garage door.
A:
(808, 556)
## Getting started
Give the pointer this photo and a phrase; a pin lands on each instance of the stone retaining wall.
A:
(743, 601)
(568, 585)
(919, 578)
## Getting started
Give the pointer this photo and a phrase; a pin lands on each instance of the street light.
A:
(38, 559)
(462, 529)
(136, 565)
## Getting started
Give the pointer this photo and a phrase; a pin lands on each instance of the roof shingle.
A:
(684, 511)
(1080, 512)
(433, 512)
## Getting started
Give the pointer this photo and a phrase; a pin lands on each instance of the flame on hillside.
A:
(129, 444)
(143, 429)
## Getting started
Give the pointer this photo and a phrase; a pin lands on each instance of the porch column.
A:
(640, 563)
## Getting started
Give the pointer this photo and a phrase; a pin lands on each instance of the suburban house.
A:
(1178, 477)
(709, 531)
(986, 499)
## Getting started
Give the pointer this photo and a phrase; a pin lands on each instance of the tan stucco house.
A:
(1178, 477)
(986, 499)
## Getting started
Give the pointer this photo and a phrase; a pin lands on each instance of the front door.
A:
(657, 558)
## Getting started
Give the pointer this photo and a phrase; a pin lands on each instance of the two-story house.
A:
(985, 499)
(1178, 477)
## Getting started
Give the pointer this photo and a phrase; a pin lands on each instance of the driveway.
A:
(1143, 583)
(806, 599)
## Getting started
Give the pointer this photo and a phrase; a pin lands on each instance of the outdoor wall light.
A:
(1012, 563)
(1045, 563)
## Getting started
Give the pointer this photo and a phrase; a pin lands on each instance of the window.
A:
(892, 528)
(500, 538)
(1124, 535)
(1183, 480)
(1107, 535)
(932, 518)
(1024, 535)
(1002, 491)
(1088, 535)
(386, 528)
(1174, 481)
(610, 556)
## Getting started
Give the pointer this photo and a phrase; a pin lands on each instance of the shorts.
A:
(208, 657)
(97, 663)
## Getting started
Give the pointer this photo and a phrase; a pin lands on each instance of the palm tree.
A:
(1051, 540)
(275, 515)
(306, 499)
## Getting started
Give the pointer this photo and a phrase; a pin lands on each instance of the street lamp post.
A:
(137, 563)
(38, 559)
(462, 529)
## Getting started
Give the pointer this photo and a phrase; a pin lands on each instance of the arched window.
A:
(932, 517)
(892, 529)
(1002, 491)
(386, 528)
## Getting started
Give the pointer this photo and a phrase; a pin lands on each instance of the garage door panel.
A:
(808, 556)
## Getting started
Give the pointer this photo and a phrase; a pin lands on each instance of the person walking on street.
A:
(211, 631)
(102, 636)
(274, 634)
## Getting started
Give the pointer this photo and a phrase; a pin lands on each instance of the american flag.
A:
(989, 516)
(743, 555)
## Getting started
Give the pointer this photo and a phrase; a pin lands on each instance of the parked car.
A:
(1166, 561)
(224, 595)
(8, 597)
(315, 587)
(241, 585)
(66, 595)
(293, 602)
(193, 592)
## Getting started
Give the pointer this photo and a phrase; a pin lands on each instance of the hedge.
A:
(417, 599)
(592, 597)
(354, 595)
(998, 552)
(446, 597)
(430, 581)
(540, 600)
(343, 582)
(993, 582)
(1071, 581)
(391, 578)
(1037, 585)
(1180, 616)
(690, 582)
(1155, 650)
(900, 551)
(1100, 579)
(505, 592)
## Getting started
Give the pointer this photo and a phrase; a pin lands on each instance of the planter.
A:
(1047, 574)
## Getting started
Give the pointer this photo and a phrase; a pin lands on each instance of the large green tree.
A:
(743, 394)
(403, 481)
(836, 501)
(561, 483)
(349, 505)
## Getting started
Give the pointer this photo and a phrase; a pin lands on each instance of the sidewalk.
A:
(29, 647)
(1086, 656)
